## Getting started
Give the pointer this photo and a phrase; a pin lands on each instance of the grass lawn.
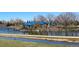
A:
(16, 43)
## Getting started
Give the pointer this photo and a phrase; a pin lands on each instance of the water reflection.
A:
(51, 33)
(10, 30)
(54, 33)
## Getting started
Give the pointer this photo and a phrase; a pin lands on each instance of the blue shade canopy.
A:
(33, 23)
(42, 23)
(29, 23)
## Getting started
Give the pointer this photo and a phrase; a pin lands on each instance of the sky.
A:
(25, 15)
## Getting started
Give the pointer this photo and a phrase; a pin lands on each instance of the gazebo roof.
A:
(29, 23)
(33, 23)
(42, 23)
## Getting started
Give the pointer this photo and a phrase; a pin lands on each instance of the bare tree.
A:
(50, 18)
(40, 18)
(68, 19)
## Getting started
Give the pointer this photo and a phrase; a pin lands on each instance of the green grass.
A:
(16, 43)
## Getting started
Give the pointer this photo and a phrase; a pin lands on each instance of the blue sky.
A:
(24, 15)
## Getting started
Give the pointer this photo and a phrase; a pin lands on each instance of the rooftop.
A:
(33, 23)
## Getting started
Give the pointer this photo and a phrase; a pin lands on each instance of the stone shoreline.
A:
(43, 37)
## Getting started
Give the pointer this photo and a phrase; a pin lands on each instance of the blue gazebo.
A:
(32, 23)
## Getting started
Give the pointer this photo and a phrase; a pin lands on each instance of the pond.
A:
(14, 31)
(50, 33)
(10, 30)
